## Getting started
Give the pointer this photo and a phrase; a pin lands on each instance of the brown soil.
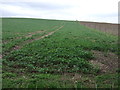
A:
(104, 27)
(0, 56)
(108, 63)
(86, 80)
(72, 76)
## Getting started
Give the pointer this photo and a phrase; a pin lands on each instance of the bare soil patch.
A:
(71, 77)
(104, 27)
(108, 63)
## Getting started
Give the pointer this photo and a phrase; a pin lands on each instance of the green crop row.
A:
(68, 50)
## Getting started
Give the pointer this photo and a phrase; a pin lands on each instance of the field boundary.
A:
(103, 27)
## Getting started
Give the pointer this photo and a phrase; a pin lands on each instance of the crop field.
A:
(41, 53)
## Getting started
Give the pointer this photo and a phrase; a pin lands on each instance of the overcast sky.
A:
(83, 10)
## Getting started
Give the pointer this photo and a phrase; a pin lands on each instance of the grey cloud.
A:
(53, 10)
(7, 13)
(39, 5)
(47, 6)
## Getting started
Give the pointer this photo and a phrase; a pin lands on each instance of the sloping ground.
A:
(62, 59)
(104, 27)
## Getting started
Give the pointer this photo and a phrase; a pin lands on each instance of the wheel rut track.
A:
(30, 34)
(38, 38)
(17, 47)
